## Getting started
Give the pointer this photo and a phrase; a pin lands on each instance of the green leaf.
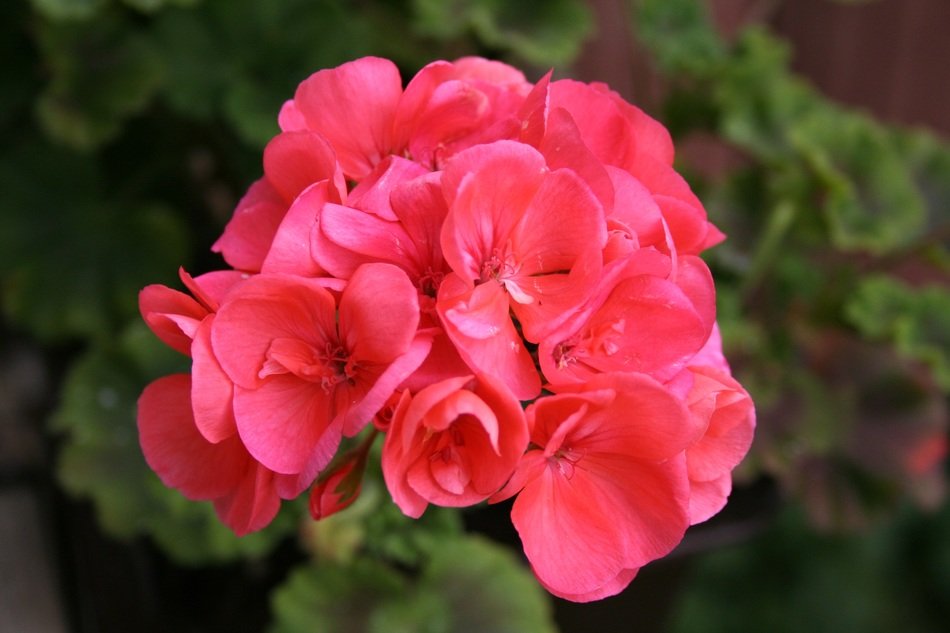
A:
(68, 9)
(680, 35)
(872, 203)
(74, 262)
(334, 598)
(101, 72)
(790, 579)
(547, 33)
(486, 589)
(466, 585)
(917, 321)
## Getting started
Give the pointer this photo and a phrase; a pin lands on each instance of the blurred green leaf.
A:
(547, 33)
(486, 589)
(68, 9)
(872, 203)
(335, 598)
(466, 585)
(680, 34)
(917, 321)
(96, 253)
(102, 71)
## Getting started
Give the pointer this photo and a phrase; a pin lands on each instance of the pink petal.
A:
(359, 413)
(268, 307)
(569, 532)
(379, 313)
(252, 505)
(174, 448)
(211, 389)
(173, 316)
(707, 498)
(295, 160)
(290, 119)
(477, 321)
(347, 238)
(488, 188)
(285, 424)
(353, 107)
(372, 193)
(563, 147)
(611, 588)
(248, 235)
(211, 288)
(290, 249)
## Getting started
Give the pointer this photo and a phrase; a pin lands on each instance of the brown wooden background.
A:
(888, 57)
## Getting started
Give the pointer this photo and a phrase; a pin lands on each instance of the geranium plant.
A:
(500, 281)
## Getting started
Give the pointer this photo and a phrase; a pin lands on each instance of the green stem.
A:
(778, 224)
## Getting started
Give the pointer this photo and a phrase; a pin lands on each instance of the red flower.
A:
(603, 490)
(455, 443)
(302, 376)
(246, 495)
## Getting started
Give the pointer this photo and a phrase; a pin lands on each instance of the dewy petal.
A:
(174, 448)
(353, 107)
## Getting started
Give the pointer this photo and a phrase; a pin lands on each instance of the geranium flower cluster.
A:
(503, 278)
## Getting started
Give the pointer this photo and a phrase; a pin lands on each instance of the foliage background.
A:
(131, 127)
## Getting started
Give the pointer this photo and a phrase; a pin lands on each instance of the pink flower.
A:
(304, 373)
(619, 135)
(726, 415)
(246, 495)
(292, 162)
(361, 110)
(639, 320)
(603, 488)
(455, 443)
(520, 238)
(184, 323)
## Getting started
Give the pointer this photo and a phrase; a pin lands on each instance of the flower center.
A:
(500, 266)
(329, 365)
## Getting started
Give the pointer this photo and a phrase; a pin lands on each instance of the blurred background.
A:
(815, 131)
